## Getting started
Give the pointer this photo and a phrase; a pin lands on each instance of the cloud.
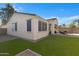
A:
(18, 9)
(67, 20)
(74, 17)
(64, 20)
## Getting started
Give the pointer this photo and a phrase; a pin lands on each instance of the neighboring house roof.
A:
(52, 19)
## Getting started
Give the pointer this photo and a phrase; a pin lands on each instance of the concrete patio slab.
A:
(4, 38)
(74, 34)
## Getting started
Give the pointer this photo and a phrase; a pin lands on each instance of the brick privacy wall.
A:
(3, 31)
(70, 30)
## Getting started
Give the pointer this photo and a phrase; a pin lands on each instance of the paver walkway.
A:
(6, 38)
(28, 52)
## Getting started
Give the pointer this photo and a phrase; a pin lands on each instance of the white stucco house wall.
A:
(53, 23)
(28, 26)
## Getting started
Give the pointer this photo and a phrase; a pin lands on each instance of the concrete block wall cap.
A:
(24, 53)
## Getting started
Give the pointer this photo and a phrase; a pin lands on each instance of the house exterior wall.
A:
(21, 26)
(53, 22)
(21, 20)
(39, 34)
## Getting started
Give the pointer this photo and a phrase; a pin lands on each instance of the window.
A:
(45, 26)
(42, 26)
(14, 26)
(39, 26)
(29, 25)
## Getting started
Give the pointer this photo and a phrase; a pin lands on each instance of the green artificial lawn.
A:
(52, 45)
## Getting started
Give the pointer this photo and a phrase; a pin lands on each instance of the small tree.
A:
(72, 25)
(6, 13)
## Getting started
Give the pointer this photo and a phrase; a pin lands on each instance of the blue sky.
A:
(65, 12)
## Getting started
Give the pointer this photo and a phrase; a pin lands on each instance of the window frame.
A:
(14, 27)
(42, 26)
(29, 26)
